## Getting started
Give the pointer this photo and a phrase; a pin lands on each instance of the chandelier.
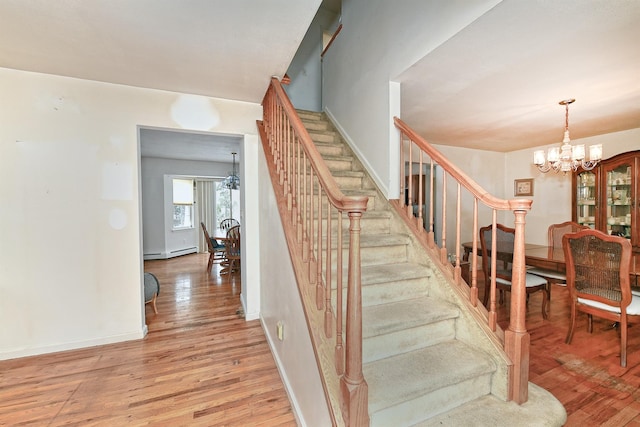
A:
(232, 182)
(567, 157)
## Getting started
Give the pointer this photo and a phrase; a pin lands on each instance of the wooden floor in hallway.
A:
(201, 364)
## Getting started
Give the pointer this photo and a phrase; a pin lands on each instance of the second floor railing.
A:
(322, 227)
(418, 158)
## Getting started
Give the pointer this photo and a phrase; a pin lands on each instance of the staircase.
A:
(426, 361)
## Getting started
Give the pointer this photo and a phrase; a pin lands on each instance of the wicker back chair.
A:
(557, 231)
(554, 240)
(598, 281)
(505, 238)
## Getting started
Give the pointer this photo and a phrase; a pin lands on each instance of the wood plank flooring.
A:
(200, 364)
(585, 375)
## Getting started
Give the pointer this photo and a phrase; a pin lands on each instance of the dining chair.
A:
(505, 237)
(227, 223)
(554, 240)
(216, 249)
(598, 281)
(232, 247)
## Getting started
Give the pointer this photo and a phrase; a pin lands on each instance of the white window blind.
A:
(182, 191)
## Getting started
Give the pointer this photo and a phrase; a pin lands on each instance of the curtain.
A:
(206, 203)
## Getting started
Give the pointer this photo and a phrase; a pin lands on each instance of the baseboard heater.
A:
(172, 254)
(183, 251)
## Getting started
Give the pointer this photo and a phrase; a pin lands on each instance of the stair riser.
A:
(380, 254)
(311, 116)
(339, 164)
(382, 293)
(330, 149)
(441, 400)
(370, 255)
(316, 125)
(349, 182)
(371, 203)
(345, 183)
(327, 136)
(387, 345)
(372, 225)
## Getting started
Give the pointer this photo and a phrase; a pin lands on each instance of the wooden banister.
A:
(308, 200)
(515, 339)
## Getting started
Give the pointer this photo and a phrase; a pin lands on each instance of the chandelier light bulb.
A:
(568, 157)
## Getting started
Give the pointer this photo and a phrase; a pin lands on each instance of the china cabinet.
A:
(606, 198)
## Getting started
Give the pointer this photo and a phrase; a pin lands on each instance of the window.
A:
(182, 203)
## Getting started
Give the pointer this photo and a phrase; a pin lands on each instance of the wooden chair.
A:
(232, 247)
(227, 223)
(505, 237)
(555, 233)
(598, 281)
(216, 249)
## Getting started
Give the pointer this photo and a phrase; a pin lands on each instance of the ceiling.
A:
(495, 85)
(218, 48)
(181, 145)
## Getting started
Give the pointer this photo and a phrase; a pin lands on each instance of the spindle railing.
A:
(417, 154)
(315, 214)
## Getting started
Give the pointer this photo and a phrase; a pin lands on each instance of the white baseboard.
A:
(295, 407)
(74, 345)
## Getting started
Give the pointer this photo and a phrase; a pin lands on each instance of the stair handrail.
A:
(302, 182)
(516, 338)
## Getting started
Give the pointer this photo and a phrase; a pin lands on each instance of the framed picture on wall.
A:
(523, 187)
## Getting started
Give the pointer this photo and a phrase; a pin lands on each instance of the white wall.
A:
(552, 191)
(378, 41)
(484, 167)
(70, 252)
(158, 236)
(305, 71)
(280, 300)
(496, 173)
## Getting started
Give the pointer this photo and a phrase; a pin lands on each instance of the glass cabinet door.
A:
(586, 198)
(618, 185)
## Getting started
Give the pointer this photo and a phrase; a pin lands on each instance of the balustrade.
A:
(415, 154)
(313, 211)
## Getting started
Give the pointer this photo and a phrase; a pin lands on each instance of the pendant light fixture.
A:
(232, 182)
(567, 157)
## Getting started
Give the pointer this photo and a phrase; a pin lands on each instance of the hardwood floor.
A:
(200, 364)
(585, 375)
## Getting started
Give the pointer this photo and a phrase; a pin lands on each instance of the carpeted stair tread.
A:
(382, 273)
(541, 410)
(410, 375)
(379, 240)
(395, 316)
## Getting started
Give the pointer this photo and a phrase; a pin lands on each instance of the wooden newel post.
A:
(516, 337)
(353, 387)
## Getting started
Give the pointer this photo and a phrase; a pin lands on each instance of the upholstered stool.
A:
(151, 290)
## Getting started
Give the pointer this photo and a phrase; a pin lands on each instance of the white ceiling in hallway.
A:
(181, 145)
(495, 85)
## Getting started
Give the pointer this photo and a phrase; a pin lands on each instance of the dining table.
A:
(551, 258)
